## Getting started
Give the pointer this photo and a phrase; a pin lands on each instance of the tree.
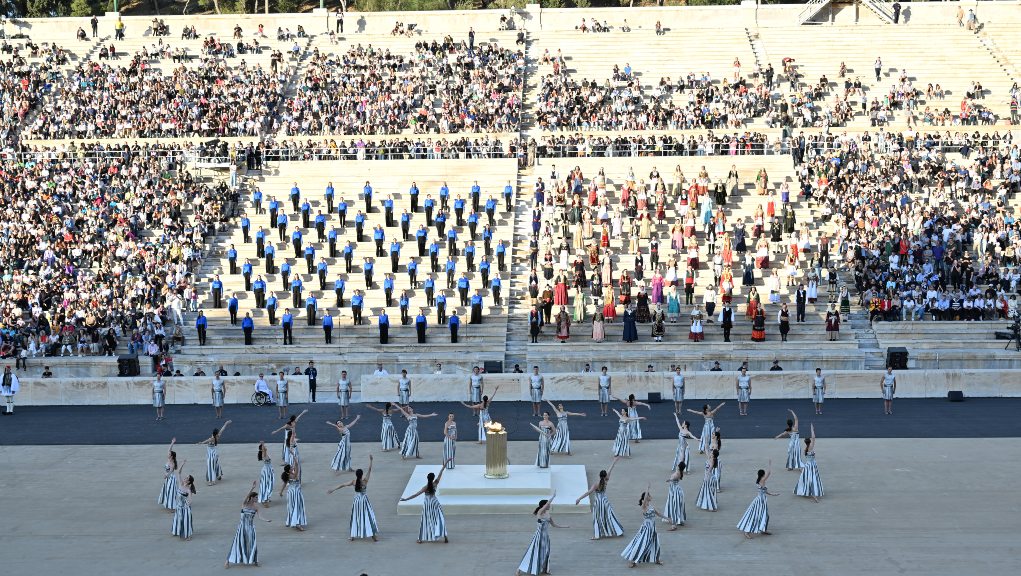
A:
(81, 8)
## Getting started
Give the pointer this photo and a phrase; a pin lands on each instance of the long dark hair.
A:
(542, 504)
(173, 458)
(680, 469)
(758, 478)
(790, 425)
(485, 401)
(429, 487)
(641, 499)
(286, 475)
(705, 409)
(630, 400)
(216, 436)
(190, 483)
(261, 446)
(386, 409)
(719, 439)
(808, 444)
(602, 480)
(358, 480)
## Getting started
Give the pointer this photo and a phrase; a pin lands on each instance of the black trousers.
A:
(328, 334)
(202, 335)
(312, 389)
(453, 334)
(248, 336)
(288, 333)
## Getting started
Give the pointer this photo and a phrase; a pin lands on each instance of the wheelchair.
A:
(261, 399)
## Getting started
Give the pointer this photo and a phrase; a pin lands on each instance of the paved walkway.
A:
(848, 418)
(900, 506)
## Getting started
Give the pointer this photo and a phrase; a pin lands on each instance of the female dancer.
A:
(433, 526)
(291, 478)
(213, 471)
(363, 519)
(644, 547)
(604, 521)
(342, 459)
(168, 495)
(810, 484)
(708, 427)
(756, 517)
(674, 507)
(409, 447)
(888, 386)
(621, 445)
(634, 428)
(244, 549)
(449, 442)
(265, 476)
(475, 387)
(482, 408)
(794, 444)
(218, 390)
(683, 452)
(159, 396)
(536, 559)
(343, 393)
(546, 431)
(182, 526)
(290, 430)
(707, 493)
(562, 440)
(716, 446)
(387, 434)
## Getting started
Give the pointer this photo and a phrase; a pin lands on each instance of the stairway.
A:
(812, 8)
(881, 8)
(868, 344)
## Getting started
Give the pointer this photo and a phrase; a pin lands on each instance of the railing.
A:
(882, 8)
(635, 149)
(811, 9)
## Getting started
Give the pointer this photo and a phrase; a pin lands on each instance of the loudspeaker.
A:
(493, 366)
(955, 396)
(127, 366)
(897, 357)
(654, 398)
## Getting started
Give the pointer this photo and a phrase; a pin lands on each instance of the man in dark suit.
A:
(726, 321)
(801, 297)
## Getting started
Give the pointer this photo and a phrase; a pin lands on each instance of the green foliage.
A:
(552, 3)
(81, 8)
(582, 3)
(286, 6)
(42, 8)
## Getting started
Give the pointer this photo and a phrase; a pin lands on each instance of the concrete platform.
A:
(465, 489)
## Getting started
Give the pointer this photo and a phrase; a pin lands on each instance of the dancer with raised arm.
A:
(213, 472)
(291, 478)
(546, 431)
(634, 426)
(363, 519)
(449, 441)
(245, 549)
(708, 427)
(810, 484)
(290, 433)
(674, 507)
(707, 493)
(621, 443)
(182, 526)
(756, 517)
(794, 444)
(168, 494)
(562, 439)
(409, 447)
(342, 459)
(644, 547)
(482, 409)
(434, 525)
(266, 479)
(604, 521)
(683, 451)
(537, 558)
(387, 433)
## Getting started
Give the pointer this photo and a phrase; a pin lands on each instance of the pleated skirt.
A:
(295, 506)
(363, 519)
(604, 521)
(433, 526)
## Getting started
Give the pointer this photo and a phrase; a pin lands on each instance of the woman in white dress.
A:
(213, 471)
(433, 525)
(683, 451)
(387, 433)
(342, 459)
(218, 390)
(482, 409)
(756, 517)
(363, 518)
(409, 447)
(810, 484)
(708, 427)
(674, 507)
(562, 439)
(546, 431)
(604, 521)
(266, 480)
(343, 394)
(634, 422)
(537, 558)
(169, 493)
(794, 442)
(644, 547)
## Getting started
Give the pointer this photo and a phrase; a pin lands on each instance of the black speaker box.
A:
(955, 396)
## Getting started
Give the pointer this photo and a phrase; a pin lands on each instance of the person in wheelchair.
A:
(261, 386)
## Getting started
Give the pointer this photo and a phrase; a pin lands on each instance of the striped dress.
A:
(182, 527)
(388, 434)
(794, 452)
(707, 493)
(168, 494)
(289, 452)
(644, 547)
(536, 559)
(621, 446)
(604, 521)
(674, 507)
(363, 519)
(342, 459)
(634, 426)
(433, 526)
(809, 484)
(213, 471)
(706, 439)
(683, 452)
(409, 448)
(295, 505)
(244, 549)
(484, 419)
(542, 457)
(562, 440)
(266, 481)
(450, 445)
(756, 517)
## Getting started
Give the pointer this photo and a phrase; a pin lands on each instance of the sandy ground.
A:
(906, 506)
